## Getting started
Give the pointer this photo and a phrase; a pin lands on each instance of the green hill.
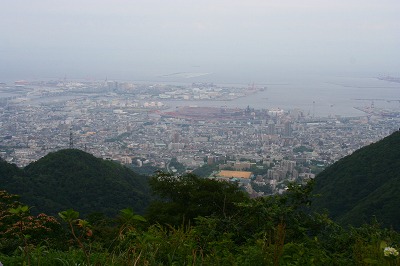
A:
(74, 179)
(363, 185)
(7, 172)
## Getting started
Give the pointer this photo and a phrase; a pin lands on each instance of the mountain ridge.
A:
(75, 179)
(363, 185)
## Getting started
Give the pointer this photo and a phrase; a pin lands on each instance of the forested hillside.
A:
(7, 172)
(196, 221)
(206, 222)
(364, 185)
(74, 179)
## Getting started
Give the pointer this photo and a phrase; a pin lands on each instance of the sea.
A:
(319, 96)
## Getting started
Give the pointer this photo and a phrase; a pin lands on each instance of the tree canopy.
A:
(183, 198)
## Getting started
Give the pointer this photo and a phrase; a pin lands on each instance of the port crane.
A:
(376, 99)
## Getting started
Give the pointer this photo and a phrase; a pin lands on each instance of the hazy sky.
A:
(142, 39)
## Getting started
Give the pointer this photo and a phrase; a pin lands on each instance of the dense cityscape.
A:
(133, 124)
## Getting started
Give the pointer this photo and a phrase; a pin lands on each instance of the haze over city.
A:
(108, 71)
(218, 41)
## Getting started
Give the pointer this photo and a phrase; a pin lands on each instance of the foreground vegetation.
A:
(194, 221)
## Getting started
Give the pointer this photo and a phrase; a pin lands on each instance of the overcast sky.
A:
(141, 39)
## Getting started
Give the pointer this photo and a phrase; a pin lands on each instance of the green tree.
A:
(19, 228)
(80, 230)
(205, 170)
(183, 198)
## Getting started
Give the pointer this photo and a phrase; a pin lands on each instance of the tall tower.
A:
(71, 140)
(313, 109)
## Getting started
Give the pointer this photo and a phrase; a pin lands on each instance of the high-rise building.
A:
(287, 130)
(271, 127)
